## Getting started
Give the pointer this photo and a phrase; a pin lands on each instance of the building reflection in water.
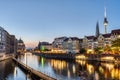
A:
(96, 71)
(90, 68)
(58, 65)
(81, 62)
(15, 71)
(42, 62)
(78, 69)
(9, 71)
(64, 68)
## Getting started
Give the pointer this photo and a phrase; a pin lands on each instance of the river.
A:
(61, 69)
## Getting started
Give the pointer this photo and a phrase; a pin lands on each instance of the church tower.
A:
(97, 30)
(105, 20)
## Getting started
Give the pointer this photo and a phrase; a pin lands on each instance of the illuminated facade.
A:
(44, 46)
(58, 43)
(71, 45)
(103, 40)
(115, 34)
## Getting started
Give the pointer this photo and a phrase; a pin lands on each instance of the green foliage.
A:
(107, 49)
(98, 50)
(116, 43)
(116, 46)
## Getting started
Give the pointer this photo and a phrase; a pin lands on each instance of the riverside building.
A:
(8, 43)
(20, 46)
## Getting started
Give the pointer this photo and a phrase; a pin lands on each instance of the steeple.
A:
(97, 29)
(105, 20)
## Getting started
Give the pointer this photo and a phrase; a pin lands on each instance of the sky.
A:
(44, 20)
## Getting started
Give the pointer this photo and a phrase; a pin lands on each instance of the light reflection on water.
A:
(73, 70)
(10, 71)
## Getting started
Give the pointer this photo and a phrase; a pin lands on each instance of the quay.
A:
(56, 55)
(34, 73)
(6, 56)
(110, 58)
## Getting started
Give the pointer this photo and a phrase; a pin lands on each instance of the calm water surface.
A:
(73, 70)
(60, 69)
(9, 71)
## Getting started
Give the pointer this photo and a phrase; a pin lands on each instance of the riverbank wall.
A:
(111, 58)
(6, 56)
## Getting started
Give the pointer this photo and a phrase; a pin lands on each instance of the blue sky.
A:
(43, 20)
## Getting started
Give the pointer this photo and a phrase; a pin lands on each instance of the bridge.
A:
(34, 73)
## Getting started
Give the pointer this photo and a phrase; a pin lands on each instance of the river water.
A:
(9, 71)
(61, 69)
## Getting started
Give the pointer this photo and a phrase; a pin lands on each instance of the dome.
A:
(20, 41)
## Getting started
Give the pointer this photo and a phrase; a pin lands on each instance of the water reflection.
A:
(74, 70)
(9, 71)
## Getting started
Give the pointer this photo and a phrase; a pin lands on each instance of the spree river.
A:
(60, 69)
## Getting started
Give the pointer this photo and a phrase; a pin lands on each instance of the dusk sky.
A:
(43, 20)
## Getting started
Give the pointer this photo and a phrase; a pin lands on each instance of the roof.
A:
(81, 40)
(20, 41)
(72, 38)
(90, 37)
(44, 43)
(116, 31)
(106, 35)
(61, 37)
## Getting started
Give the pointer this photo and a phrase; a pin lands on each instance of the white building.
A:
(58, 43)
(71, 45)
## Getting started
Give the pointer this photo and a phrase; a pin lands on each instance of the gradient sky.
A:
(43, 20)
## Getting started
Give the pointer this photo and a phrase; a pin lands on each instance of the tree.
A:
(98, 50)
(116, 46)
(116, 43)
(107, 49)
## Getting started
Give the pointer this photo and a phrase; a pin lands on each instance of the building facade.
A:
(103, 40)
(7, 42)
(58, 43)
(20, 46)
(71, 45)
(44, 46)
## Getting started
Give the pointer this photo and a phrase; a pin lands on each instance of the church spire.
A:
(97, 29)
(105, 20)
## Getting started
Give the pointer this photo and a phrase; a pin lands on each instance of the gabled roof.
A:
(81, 40)
(106, 35)
(116, 31)
(72, 38)
(61, 37)
(90, 37)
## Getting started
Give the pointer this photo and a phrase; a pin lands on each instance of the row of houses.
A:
(9, 43)
(75, 44)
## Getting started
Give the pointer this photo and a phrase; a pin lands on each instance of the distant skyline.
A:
(44, 20)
